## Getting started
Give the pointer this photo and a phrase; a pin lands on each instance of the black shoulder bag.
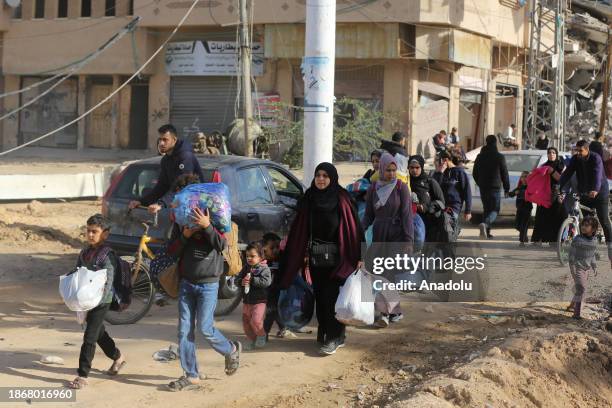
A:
(322, 254)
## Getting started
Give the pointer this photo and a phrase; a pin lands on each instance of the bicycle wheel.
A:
(567, 232)
(143, 293)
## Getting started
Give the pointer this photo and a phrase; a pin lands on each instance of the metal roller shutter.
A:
(202, 104)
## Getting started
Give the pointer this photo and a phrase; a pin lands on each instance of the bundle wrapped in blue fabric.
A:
(296, 304)
(214, 196)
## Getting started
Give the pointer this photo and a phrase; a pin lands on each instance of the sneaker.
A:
(331, 347)
(382, 322)
(483, 230)
(489, 235)
(260, 342)
(161, 299)
(394, 318)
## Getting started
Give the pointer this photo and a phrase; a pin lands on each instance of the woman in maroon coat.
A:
(327, 214)
(389, 210)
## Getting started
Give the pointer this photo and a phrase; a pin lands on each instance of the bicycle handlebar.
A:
(155, 215)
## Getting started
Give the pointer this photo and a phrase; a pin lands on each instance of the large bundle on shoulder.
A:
(212, 196)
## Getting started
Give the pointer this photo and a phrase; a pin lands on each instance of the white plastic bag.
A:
(83, 289)
(355, 305)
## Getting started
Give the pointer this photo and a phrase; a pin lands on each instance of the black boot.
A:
(577, 307)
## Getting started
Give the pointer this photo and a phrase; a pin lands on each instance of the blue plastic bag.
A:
(296, 304)
(361, 208)
(214, 196)
(419, 232)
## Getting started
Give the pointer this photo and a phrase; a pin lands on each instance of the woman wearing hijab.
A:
(326, 221)
(549, 220)
(426, 189)
(389, 211)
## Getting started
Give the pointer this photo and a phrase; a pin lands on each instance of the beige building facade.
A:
(435, 64)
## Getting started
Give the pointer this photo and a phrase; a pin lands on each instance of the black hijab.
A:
(557, 164)
(421, 161)
(326, 199)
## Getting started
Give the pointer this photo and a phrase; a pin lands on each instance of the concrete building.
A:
(436, 63)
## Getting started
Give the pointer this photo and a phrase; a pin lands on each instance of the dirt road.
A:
(440, 355)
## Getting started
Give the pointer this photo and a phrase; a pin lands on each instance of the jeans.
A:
(491, 202)
(96, 333)
(197, 303)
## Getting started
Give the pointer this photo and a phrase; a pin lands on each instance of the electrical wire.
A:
(116, 37)
(112, 94)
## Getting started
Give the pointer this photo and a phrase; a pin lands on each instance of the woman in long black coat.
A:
(549, 220)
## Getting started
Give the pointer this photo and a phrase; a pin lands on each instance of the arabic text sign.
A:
(210, 58)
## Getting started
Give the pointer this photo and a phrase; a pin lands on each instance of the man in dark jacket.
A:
(491, 174)
(178, 159)
(592, 185)
(396, 145)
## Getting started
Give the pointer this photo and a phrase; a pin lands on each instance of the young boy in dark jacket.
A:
(199, 250)
(97, 256)
(272, 253)
(523, 209)
(255, 279)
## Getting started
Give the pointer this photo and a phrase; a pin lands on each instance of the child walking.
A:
(255, 279)
(582, 260)
(523, 209)
(199, 250)
(97, 256)
(272, 254)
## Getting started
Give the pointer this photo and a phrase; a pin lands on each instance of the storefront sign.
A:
(210, 58)
(268, 107)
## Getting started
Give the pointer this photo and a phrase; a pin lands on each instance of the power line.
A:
(103, 101)
(116, 37)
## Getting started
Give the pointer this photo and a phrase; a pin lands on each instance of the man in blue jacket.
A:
(178, 159)
(592, 185)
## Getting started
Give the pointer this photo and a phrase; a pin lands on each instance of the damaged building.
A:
(586, 48)
(438, 64)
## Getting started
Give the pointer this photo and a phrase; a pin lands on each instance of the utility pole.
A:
(245, 62)
(318, 73)
(606, 89)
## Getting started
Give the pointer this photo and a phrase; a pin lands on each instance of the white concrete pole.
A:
(318, 73)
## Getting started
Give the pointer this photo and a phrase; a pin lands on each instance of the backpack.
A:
(122, 281)
(232, 254)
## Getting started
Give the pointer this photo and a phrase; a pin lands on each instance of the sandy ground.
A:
(521, 354)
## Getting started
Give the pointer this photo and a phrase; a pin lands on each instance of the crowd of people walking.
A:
(398, 201)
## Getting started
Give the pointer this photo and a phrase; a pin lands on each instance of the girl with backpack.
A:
(389, 211)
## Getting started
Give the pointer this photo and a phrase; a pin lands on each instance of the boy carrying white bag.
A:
(89, 291)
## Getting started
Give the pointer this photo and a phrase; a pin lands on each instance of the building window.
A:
(85, 8)
(109, 10)
(62, 8)
(39, 9)
(131, 8)
(17, 12)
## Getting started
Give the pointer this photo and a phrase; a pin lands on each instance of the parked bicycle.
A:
(143, 290)
(571, 228)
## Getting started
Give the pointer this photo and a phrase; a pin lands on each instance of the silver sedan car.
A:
(517, 162)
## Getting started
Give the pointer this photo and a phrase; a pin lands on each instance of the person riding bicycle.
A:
(592, 186)
(178, 159)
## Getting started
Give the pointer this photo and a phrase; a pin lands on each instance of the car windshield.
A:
(522, 162)
(140, 180)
